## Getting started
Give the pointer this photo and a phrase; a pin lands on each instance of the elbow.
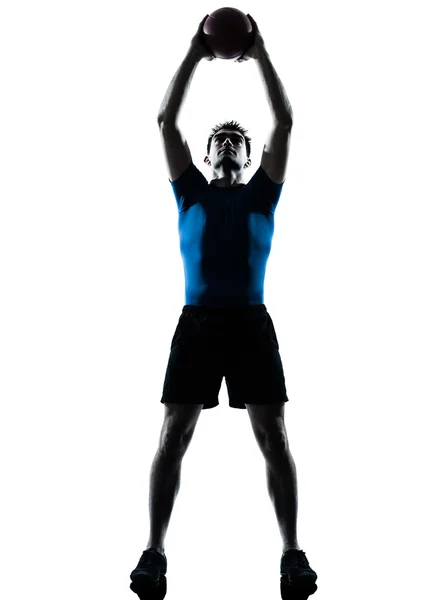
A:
(285, 123)
(162, 120)
(289, 121)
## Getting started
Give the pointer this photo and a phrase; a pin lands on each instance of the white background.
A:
(92, 286)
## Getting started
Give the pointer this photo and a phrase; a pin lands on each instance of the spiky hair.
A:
(232, 125)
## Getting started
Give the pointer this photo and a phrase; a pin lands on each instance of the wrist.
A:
(261, 52)
(195, 53)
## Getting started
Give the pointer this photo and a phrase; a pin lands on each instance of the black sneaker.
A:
(149, 574)
(295, 571)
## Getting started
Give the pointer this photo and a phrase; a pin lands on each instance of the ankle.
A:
(158, 549)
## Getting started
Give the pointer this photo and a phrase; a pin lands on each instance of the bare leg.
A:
(282, 487)
(164, 487)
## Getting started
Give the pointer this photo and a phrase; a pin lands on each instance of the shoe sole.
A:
(147, 589)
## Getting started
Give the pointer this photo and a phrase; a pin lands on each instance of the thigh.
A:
(254, 369)
(194, 373)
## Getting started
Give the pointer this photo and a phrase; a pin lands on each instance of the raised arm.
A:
(274, 160)
(175, 146)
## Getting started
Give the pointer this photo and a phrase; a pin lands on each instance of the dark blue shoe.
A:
(295, 571)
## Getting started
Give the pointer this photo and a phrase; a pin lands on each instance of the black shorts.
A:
(239, 344)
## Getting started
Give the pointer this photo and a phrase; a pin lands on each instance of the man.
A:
(226, 229)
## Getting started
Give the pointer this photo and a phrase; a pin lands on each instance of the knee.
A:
(274, 445)
(174, 444)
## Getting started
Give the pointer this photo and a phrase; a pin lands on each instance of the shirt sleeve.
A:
(265, 192)
(188, 187)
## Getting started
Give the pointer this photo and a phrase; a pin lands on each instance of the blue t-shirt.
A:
(225, 237)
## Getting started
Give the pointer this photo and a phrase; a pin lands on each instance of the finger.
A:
(254, 23)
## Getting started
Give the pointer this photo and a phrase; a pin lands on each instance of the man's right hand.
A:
(198, 43)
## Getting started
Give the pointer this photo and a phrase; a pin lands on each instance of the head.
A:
(228, 145)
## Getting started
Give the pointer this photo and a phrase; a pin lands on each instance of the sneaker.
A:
(295, 570)
(149, 572)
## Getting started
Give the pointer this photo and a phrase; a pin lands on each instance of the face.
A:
(228, 146)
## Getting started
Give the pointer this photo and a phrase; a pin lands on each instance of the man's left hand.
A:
(257, 47)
